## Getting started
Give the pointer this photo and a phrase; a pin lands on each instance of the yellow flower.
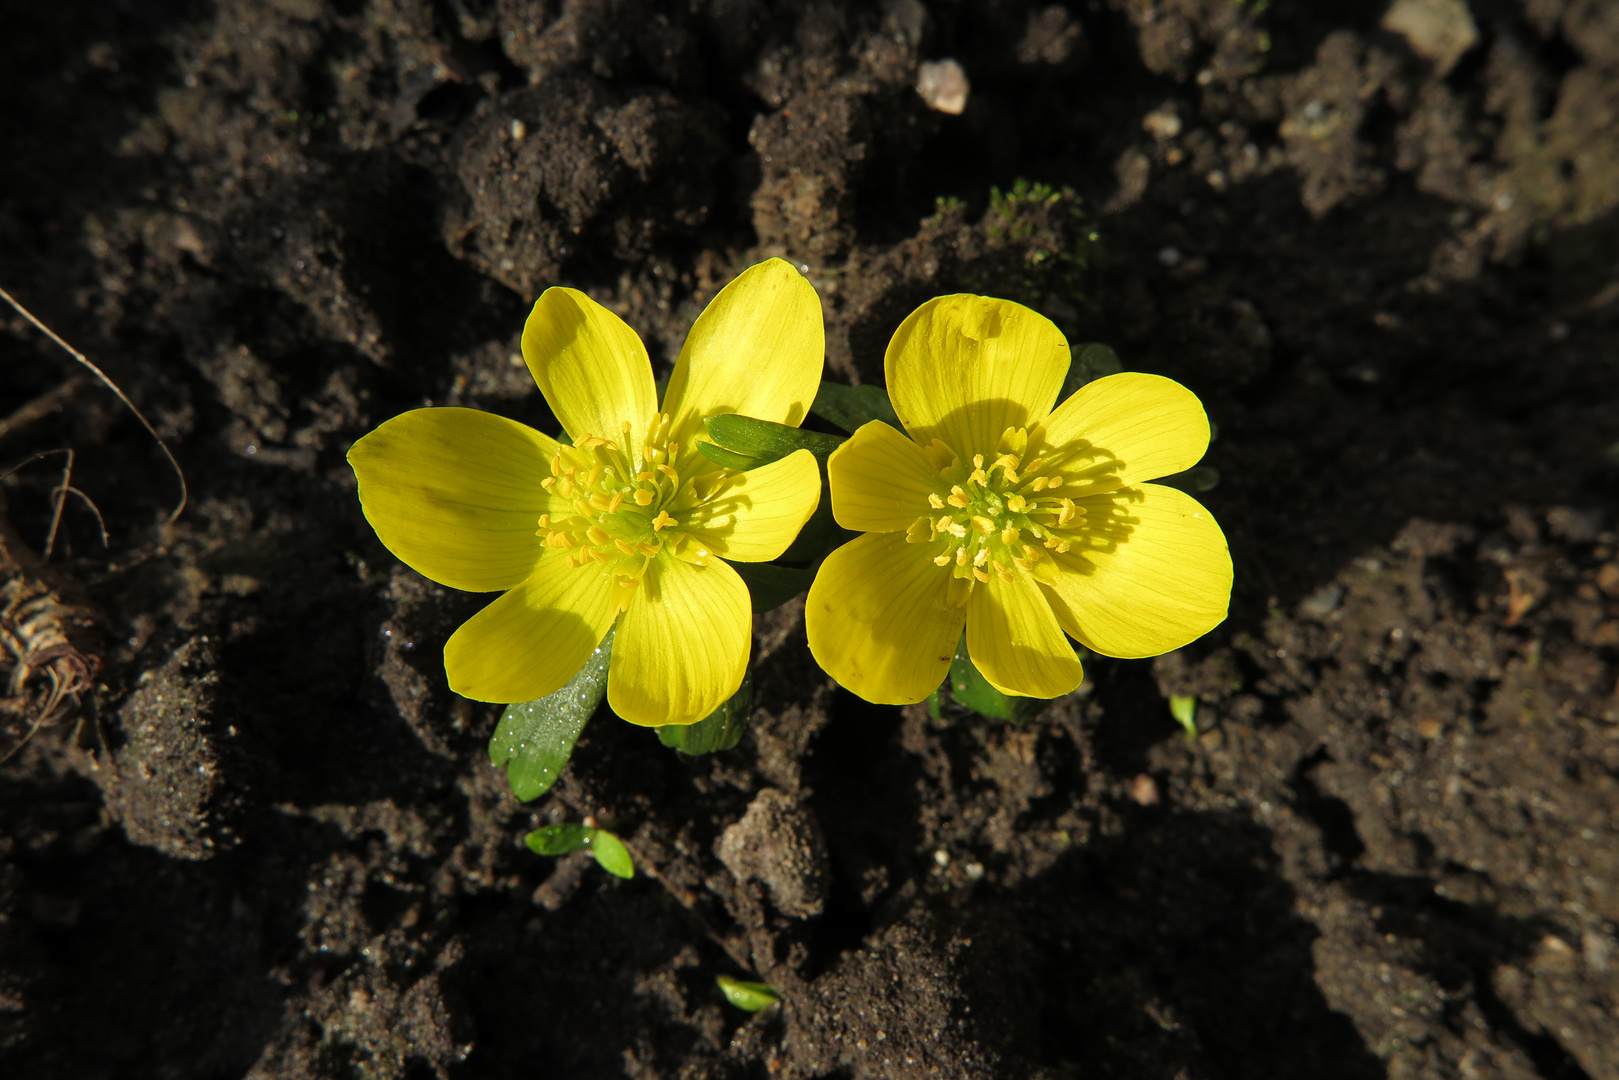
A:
(1016, 521)
(630, 523)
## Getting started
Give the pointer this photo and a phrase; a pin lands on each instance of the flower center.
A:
(628, 507)
(1001, 516)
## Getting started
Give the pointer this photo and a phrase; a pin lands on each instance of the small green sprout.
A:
(605, 847)
(747, 996)
(1183, 707)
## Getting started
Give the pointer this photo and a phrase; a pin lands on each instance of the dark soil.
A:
(272, 844)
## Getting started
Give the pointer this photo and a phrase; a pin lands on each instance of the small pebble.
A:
(1144, 790)
(943, 85)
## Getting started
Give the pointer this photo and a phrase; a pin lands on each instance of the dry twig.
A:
(81, 358)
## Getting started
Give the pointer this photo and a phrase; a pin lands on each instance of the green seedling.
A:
(747, 996)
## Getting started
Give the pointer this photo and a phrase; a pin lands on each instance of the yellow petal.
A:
(532, 640)
(878, 620)
(682, 645)
(759, 513)
(1149, 425)
(455, 494)
(964, 368)
(880, 480)
(1015, 641)
(1152, 573)
(757, 350)
(592, 369)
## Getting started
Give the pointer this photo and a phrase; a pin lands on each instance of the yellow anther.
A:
(981, 574)
(644, 497)
(1062, 547)
(1031, 551)
(545, 521)
(595, 477)
(598, 554)
(958, 498)
(982, 557)
(983, 524)
(669, 471)
(663, 521)
(1053, 483)
(1037, 483)
(599, 501)
(1009, 535)
(1067, 513)
(956, 529)
(597, 534)
(1034, 466)
(1017, 504)
(565, 488)
(978, 477)
(934, 500)
(1005, 573)
(617, 501)
(625, 546)
(942, 560)
(548, 483)
(961, 556)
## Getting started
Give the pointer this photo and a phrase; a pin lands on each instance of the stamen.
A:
(644, 497)
(942, 560)
(625, 546)
(934, 500)
(983, 524)
(663, 521)
(1009, 535)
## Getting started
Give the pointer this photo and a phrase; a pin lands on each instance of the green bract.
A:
(536, 738)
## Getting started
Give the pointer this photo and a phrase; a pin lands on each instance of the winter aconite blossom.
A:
(1021, 523)
(630, 523)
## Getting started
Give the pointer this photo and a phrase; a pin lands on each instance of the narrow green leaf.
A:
(536, 738)
(1183, 707)
(969, 688)
(719, 730)
(611, 853)
(747, 996)
(558, 839)
(851, 406)
(727, 459)
(769, 585)
(764, 441)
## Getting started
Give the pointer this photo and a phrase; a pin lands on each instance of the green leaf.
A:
(851, 406)
(558, 839)
(611, 853)
(719, 730)
(1091, 362)
(969, 688)
(728, 460)
(739, 439)
(1183, 707)
(771, 586)
(535, 738)
(747, 996)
